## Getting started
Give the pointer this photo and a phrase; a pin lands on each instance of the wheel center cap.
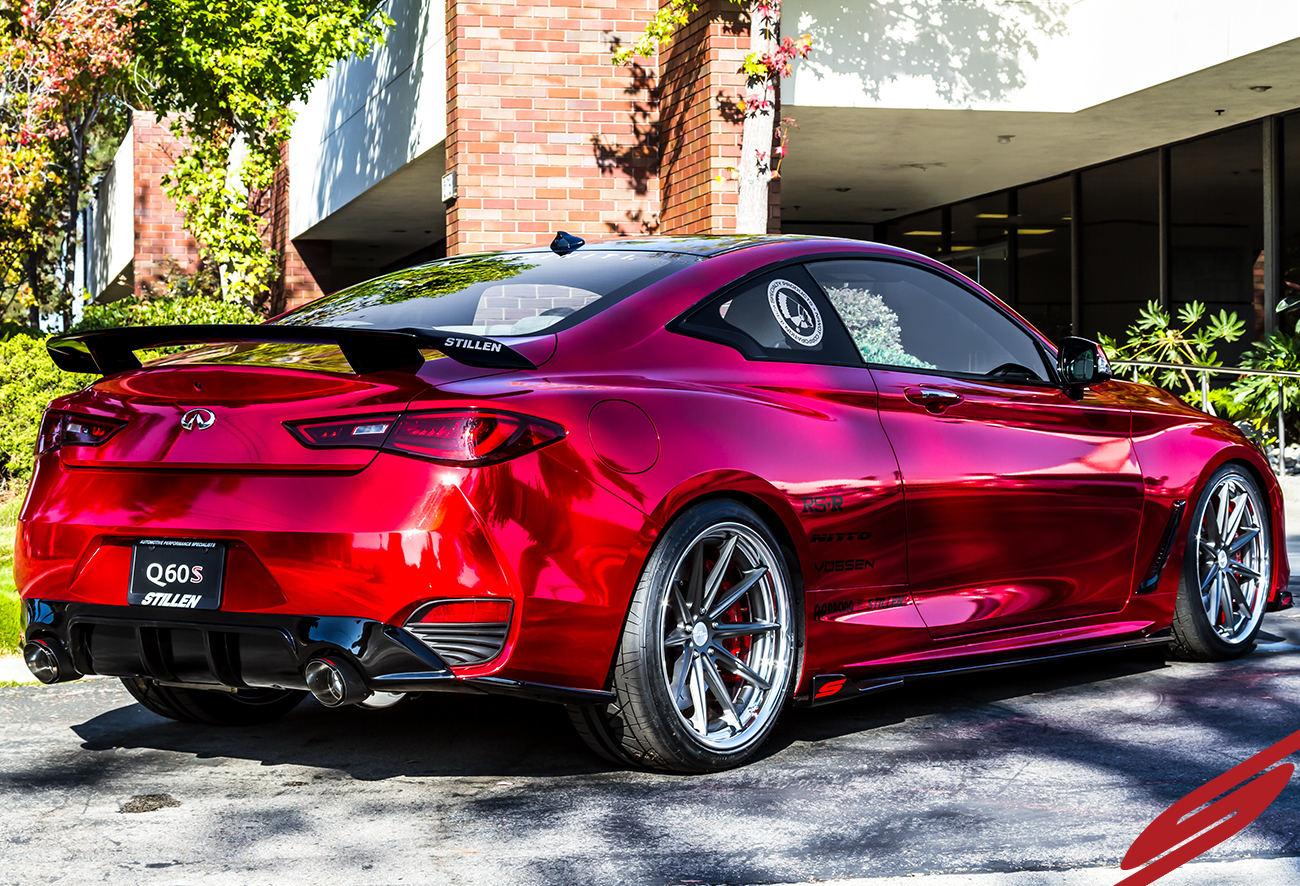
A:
(1222, 559)
(700, 633)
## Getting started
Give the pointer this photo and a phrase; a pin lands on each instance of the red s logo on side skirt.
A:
(1175, 827)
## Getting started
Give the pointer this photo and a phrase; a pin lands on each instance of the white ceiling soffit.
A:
(916, 105)
(397, 216)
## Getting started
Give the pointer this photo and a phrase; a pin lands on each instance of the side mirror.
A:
(1081, 362)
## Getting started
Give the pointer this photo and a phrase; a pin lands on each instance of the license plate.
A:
(179, 573)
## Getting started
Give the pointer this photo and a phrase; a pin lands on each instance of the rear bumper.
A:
(250, 650)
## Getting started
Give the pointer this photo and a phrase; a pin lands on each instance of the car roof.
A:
(703, 245)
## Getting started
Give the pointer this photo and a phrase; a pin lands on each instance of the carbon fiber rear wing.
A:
(107, 351)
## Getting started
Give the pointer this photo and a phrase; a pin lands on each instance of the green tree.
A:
(61, 94)
(227, 74)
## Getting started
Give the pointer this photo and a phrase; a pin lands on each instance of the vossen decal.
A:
(176, 601)
(857, 565)
(818, 538)
(467, 344)
(828, 611)
(795, 312)
(823, 504)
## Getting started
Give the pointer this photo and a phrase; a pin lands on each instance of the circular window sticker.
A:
(796, 313)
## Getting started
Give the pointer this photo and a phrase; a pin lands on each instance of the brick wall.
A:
(160, 234)
(544, 133)
(703, 93)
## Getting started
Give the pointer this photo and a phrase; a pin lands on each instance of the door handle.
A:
(933, 400)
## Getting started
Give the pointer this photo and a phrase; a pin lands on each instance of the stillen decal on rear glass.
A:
(795, 312)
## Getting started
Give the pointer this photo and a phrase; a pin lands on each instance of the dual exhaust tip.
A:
(332, 681)
(335, 683)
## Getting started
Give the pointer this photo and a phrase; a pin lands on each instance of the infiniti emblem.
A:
(197, 420)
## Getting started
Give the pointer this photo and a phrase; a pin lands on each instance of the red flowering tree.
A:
(763, 143)
(63, 84)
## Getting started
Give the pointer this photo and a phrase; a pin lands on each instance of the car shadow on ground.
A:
(461, 735)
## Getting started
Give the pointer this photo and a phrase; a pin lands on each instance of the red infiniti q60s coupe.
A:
(674, 484)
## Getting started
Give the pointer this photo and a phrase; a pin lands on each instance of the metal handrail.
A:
(1206, 372)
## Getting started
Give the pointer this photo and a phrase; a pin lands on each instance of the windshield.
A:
(498, 295)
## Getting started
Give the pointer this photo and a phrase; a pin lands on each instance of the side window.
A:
(900, 315)
(780, 315)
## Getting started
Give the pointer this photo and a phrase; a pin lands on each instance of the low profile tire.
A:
(247, 707)
(706, 661)
(1227, 568)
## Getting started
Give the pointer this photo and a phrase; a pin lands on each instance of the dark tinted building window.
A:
(1121, 243)
(1218, 226)
(1043, 295)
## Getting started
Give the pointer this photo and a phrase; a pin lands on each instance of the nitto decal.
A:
(177, 601)
(472, 345)
(845, 565)
(795, 312)
(838, 536)
(828, 611)
(823, 504)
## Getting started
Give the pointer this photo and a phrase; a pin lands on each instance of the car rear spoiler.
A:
(107, 351)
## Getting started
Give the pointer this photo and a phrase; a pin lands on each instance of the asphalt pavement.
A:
(1021, 777)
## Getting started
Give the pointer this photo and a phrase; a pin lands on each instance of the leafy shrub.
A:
(29, 380)
(164, 312)
(10, 624)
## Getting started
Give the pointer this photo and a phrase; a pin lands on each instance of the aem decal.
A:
(795, 312)
(823, 504)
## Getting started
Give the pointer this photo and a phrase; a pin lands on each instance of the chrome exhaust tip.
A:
(335, 683)
(49, 662)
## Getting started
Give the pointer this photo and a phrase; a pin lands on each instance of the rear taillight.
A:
(344, 433)
(462, 632)
(60, 429)
(467, 438)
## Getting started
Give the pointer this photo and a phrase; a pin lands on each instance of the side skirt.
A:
(828, 688)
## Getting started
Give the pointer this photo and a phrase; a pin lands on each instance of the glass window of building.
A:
(979, 243)
(921, 233)
(1291, 219)
(1043, 256)
(1120, 253)
(1217, 233)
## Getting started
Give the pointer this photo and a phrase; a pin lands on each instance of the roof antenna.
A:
(564, 243)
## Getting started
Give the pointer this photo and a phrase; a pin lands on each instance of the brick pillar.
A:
(160, 235)
(544, 134)
(702, 95)
(294, 284)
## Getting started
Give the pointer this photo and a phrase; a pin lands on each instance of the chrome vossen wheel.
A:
(1227, 569)
(708, 655)
(726, 650)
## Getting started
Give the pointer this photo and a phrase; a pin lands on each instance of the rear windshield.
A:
(499, 295)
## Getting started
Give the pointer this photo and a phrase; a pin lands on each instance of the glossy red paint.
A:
(1019, 517)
